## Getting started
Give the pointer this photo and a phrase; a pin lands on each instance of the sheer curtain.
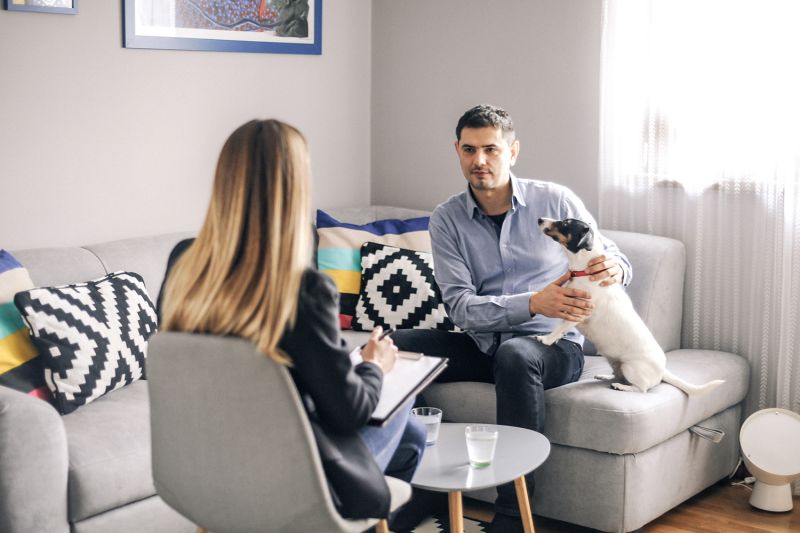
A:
(701, 142)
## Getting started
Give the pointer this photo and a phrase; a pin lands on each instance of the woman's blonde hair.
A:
(242, 274)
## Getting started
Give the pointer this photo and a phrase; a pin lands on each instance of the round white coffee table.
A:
(445, 467)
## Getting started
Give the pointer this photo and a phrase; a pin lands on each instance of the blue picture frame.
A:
(227, 35)
(42, 7)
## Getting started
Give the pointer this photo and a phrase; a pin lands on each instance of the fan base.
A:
(775, 498)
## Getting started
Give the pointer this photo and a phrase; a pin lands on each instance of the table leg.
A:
(456, 512)
(524, 504)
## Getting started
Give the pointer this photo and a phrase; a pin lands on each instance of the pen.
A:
(388, 331)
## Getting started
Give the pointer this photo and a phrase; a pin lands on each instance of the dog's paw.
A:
(604, 376)
(623, 387)
(547, 340)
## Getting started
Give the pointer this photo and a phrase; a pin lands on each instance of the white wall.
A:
(432, 60)
(99, 142)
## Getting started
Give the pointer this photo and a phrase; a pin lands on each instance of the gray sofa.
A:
(88, 471)
(618, 460)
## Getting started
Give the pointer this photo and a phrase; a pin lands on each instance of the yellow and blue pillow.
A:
(339, 251)
(20, 366)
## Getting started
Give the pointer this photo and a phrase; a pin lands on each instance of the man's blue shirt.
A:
(486, 280)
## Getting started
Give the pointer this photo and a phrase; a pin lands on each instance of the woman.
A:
(247, 274)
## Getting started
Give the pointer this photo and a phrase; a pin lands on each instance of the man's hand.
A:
(606, 269)
(556, 301)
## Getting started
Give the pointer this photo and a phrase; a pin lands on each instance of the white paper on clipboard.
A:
(409, 376)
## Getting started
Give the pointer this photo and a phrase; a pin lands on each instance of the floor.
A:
(722, 508)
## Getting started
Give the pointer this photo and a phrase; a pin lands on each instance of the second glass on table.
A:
(481, 443)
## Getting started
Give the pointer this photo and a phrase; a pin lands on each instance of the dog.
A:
(614, 326)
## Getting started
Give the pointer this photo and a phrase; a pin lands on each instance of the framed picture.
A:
(272, 26)
(65, 7)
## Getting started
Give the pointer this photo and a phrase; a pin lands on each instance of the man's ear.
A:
(458, 152)
(514, 152)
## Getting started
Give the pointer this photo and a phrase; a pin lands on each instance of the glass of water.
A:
(432, 418)
(481, 443)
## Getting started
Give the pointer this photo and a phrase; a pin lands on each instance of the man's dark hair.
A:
(486, 116)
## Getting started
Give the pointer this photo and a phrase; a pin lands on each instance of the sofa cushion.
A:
(147, 256)
(338, 251)
(398, 290)
(656, 289)
(92, 336)
(589, 414)
(20, 366)
(109, 452)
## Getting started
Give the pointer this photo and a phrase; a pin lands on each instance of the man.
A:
(501, 281)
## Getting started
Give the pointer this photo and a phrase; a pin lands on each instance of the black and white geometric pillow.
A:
(92, 337)
(398, 289)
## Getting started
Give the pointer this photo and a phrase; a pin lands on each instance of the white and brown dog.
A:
(614, 326)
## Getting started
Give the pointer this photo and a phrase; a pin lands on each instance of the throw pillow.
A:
(92, 336)
(398, 289)
(339, 256)
(20, 368)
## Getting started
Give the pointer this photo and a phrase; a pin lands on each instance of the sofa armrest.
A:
(34, 465)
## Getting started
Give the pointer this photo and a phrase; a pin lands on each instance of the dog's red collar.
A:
(578, 273)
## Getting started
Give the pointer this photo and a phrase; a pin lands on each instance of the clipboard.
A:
(410, 375)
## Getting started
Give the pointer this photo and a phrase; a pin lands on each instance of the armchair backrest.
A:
(231, 444)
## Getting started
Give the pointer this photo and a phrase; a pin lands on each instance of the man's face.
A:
(486, 157)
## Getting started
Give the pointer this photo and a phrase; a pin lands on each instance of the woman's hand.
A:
(382, 352)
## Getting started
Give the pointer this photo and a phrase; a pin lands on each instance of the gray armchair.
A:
(232, 448)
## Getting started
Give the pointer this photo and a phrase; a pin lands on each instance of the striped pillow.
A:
(339, 251)
(20, 366)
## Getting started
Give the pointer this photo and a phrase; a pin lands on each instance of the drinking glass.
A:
(481, 443)
(431, 417)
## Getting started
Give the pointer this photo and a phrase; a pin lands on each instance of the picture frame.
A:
(62, 7)
(259, 26)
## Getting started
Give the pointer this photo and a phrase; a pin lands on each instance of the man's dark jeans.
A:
(521, 369)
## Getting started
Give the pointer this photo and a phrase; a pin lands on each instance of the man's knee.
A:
(518, 356)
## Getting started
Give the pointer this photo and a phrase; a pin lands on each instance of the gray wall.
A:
(432, 60)
(98, 142)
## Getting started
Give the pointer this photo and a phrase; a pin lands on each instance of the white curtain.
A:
(700, 141)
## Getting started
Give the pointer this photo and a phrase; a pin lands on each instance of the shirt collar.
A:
(517, 198)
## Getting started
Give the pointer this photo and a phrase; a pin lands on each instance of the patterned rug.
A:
(441, 524)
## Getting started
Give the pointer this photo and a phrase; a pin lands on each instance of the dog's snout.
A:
(540, 221)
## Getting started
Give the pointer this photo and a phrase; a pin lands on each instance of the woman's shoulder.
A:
(179, 249)
(318, 288)
(314, 280)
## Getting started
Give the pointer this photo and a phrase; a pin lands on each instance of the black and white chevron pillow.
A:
(398, 289)
(92, 336)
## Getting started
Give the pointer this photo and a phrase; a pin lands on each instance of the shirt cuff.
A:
(518, 308)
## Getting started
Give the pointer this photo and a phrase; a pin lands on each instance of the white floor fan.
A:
(770, 441)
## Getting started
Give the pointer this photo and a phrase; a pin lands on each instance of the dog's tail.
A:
(689, 388)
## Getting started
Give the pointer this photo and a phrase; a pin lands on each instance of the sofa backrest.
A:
(658, 271)
(659, 264)
(656, 290)
(147, 256)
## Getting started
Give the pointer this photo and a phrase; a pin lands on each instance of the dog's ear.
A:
(587, 241)
(581, 237)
